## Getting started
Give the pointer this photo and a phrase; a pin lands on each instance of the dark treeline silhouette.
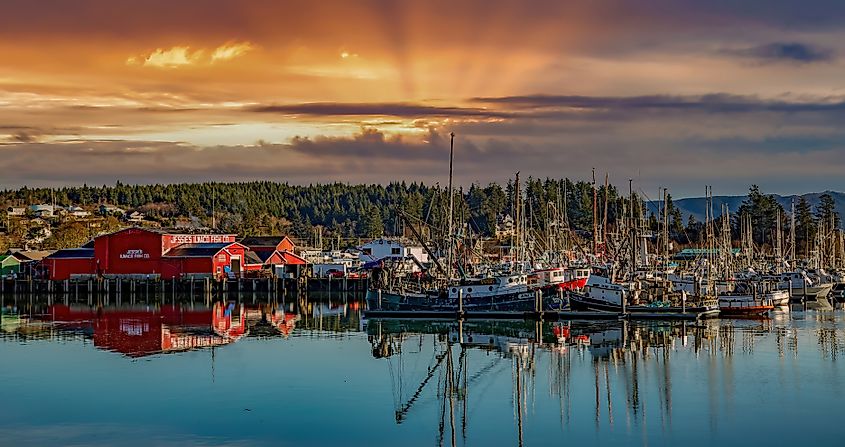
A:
(356, 211)
(342, 209)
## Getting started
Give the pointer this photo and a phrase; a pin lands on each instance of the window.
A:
(368, 251)
(394, 251)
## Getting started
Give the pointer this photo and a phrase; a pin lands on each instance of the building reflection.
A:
(168, 325)
(142, 331)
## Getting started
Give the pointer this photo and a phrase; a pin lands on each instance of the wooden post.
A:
(560, 297)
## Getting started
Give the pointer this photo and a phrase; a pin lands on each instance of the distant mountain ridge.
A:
(696, 205)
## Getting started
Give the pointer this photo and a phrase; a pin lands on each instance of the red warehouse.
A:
(157, 253)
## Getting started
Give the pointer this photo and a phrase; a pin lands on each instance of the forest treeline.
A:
(353, 211)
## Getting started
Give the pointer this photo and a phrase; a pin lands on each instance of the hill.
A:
(696, 205)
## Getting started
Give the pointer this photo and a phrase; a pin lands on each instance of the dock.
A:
(536, 316)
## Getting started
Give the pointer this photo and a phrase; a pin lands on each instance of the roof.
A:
(263, 241)
(263, 255)
(291, 258)
(197, 250)
(30, 255)
(4, 258)
(73, 253)
(250, 257)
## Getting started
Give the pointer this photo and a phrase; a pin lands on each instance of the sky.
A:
(677, 94)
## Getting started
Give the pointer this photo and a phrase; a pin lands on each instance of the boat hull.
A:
(578, 301)
(525, 301)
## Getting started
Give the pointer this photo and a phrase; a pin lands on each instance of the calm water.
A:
(315, 374)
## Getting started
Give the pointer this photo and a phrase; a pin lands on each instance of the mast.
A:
(778, 239)
(595, 217)
(665, 248)
(518, 220)
(792, 234)
(451, 206)
(604, 219)
(632, 228)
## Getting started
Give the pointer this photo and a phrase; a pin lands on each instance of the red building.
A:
(155, 253)
(273, 250)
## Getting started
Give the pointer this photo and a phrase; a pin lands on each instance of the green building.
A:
(9, 265)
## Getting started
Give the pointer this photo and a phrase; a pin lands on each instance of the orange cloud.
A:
(231, 50)
(182, 55)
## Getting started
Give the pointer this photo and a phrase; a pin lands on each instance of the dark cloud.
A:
(712, 103)
(403, 110)
(651, 159)
(790, 52)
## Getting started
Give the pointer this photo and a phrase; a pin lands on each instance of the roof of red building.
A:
(72, 253)
(263, 253)
(292, 259)
(263, 241)
(197, 250)
(251, 257)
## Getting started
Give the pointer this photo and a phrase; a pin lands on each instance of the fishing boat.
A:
(551, 280)
(801, 286)
(743, 305)
(602, 295)
(504, 292)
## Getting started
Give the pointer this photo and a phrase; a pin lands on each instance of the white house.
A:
(16, 211)
(385, 248)
(76, 211)
(135, 216)
(110, 210)
(42, 210)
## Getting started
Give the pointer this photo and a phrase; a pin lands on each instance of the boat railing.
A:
(741, 303)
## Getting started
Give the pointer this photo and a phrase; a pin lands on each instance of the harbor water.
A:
(306, 372)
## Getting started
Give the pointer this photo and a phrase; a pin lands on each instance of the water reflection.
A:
(450, 382)
(143, 329)
(631, 367)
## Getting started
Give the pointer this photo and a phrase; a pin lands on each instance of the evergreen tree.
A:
(805, 226)
(826, 210)
(372, 225)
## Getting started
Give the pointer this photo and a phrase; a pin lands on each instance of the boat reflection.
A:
(630, 366)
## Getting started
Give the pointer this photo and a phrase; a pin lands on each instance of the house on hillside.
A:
(135, 217)
(16, 211)
(111, 210)
(76, 211)
(504, 226)
(43, 210)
